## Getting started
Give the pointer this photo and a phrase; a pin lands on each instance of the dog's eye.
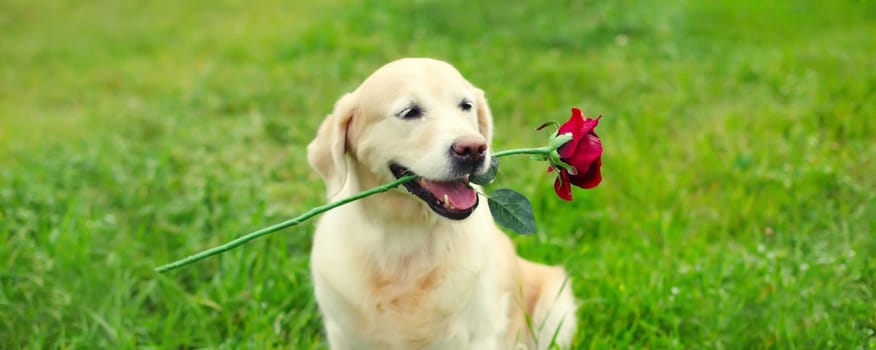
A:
(465, 105)
(412, 112)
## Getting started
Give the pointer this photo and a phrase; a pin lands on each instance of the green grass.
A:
(738, 209)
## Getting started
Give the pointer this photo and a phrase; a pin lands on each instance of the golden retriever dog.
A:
(423, 266)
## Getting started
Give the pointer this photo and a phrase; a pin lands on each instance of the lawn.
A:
(737, 211)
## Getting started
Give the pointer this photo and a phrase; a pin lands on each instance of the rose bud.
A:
(582, 155)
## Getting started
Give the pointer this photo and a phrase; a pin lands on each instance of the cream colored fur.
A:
(388, 272)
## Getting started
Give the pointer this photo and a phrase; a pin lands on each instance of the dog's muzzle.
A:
(454, 199)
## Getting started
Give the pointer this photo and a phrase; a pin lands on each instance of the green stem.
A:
(276, 227)
(537, 151)
(319, 210)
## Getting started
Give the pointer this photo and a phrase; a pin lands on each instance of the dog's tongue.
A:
(457, 193)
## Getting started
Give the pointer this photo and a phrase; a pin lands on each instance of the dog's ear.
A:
(485, 117)
(327, 152)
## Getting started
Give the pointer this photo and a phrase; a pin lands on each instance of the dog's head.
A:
(412, 116)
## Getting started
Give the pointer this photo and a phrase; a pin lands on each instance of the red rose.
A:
(583, 153)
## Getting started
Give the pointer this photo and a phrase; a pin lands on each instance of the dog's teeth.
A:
(447, 204)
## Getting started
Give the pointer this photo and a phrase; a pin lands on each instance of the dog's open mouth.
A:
(451, 199)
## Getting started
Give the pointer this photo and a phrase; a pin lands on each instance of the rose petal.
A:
(573, 126)
(562, 185)
(590, 124)
(591, 178)
(576, 120)
(588, 150)
(579, 126)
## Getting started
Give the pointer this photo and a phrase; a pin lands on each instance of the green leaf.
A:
(512, 210)
(488, 176)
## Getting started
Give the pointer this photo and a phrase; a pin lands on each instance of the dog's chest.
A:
(407, 291)
(434, 308)
(431, 310)
(416, 294)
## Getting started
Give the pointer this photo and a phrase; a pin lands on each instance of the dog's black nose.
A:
(469, 150)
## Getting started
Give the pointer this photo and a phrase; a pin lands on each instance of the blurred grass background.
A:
(737, 210)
